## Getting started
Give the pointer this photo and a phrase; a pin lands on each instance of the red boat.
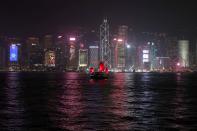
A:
(101, 73)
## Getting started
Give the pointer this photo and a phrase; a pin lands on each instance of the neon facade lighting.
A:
(120, 40)
(72, 38)
(59, 37)
(13, 53)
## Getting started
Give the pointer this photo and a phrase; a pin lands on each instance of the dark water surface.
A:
(70, 101)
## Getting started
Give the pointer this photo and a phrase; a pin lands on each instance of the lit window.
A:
(145, 56)
(145, 51)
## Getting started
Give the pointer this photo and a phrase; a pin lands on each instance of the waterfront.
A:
(70, 101)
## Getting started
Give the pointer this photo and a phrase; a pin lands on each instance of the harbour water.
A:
(71, 101)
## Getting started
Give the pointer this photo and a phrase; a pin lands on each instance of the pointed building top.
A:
(105, 20)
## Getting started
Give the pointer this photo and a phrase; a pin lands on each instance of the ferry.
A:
(101, 73)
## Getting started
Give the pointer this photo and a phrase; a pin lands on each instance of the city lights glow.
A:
(50, 58)
(145, 51)
(120, 40)
(183, 46)
(83, 57)
(145, 60)
(59, 37)
(13, 53)
(128, 46)
(145, 56)
(72, 39)
(93, 47)
(82, 45)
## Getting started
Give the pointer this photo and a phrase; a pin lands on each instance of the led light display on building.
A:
(145, 56)
(145, 51)
(183, 46)
(50, 58)
(72, 38)
(83, 57)
(13, 53)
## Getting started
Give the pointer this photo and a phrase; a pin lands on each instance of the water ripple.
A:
(70, 101)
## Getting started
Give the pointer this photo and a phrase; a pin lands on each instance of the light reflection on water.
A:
(71, 101)
(12, 104)
(69, 105)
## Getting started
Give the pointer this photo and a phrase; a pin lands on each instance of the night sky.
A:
(49, 16)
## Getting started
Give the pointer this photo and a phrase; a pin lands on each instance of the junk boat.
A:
(102, 73)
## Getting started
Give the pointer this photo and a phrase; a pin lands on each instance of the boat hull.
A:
(99, 75)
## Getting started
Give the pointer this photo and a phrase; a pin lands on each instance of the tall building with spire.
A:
(105, 47)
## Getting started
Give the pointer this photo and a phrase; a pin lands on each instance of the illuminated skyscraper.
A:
(120, 54)
(147, 56)
(14, 53)
(105, 47)
(183, 46)
(120, 47)
(123, 33)
(144, 58)
(60, 49)
(83, 58)
(93, 56)
(34, 53)
(49, 52)
(72, 54)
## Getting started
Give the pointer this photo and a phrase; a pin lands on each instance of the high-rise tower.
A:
(105, 50)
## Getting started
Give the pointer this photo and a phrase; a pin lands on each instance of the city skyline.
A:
(157, 52)
(59, 34)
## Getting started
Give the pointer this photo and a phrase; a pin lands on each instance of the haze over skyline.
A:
(47, 16)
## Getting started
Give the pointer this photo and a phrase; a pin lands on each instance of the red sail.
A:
(101, 67)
